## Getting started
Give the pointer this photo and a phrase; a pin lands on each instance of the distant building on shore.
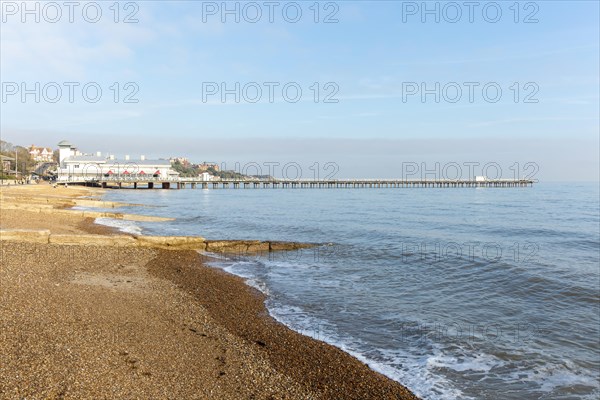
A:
(76, 166)
(5, 163)
(180, 160)
(206, 166)
(41, 154)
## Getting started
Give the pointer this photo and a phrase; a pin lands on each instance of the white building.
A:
(76, 167)
(206, 177)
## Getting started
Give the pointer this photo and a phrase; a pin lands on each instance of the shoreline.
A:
(317, 365)
(282, 362)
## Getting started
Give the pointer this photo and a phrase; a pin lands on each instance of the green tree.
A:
(184, 170)
(21, 155)
(26, 163)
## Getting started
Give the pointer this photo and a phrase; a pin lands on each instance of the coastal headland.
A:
(90, 312)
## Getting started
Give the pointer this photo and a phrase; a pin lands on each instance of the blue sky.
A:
(373, 55)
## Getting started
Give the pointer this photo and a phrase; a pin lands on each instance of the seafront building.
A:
(75, 166)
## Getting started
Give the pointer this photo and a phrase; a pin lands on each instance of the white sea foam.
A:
(413, 372)
(475, 362)
(258, 285)
(238, 268)
(554, 377)
(122, 225)
(410, 371)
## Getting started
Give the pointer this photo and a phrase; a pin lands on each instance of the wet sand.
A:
(117, 322)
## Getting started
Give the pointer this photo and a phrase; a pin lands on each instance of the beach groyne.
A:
(44, 236)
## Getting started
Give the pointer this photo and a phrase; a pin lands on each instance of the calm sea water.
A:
(456, 293)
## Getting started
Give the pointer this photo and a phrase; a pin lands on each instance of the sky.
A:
(370, 87)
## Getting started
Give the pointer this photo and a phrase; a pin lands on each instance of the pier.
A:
(191, 183)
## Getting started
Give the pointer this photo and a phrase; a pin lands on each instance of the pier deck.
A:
(184, 183)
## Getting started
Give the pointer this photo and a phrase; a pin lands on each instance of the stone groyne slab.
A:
(160, 242)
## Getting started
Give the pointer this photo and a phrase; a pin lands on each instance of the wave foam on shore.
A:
(122, 225)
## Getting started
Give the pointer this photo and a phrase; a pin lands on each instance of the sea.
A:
(457, 293)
